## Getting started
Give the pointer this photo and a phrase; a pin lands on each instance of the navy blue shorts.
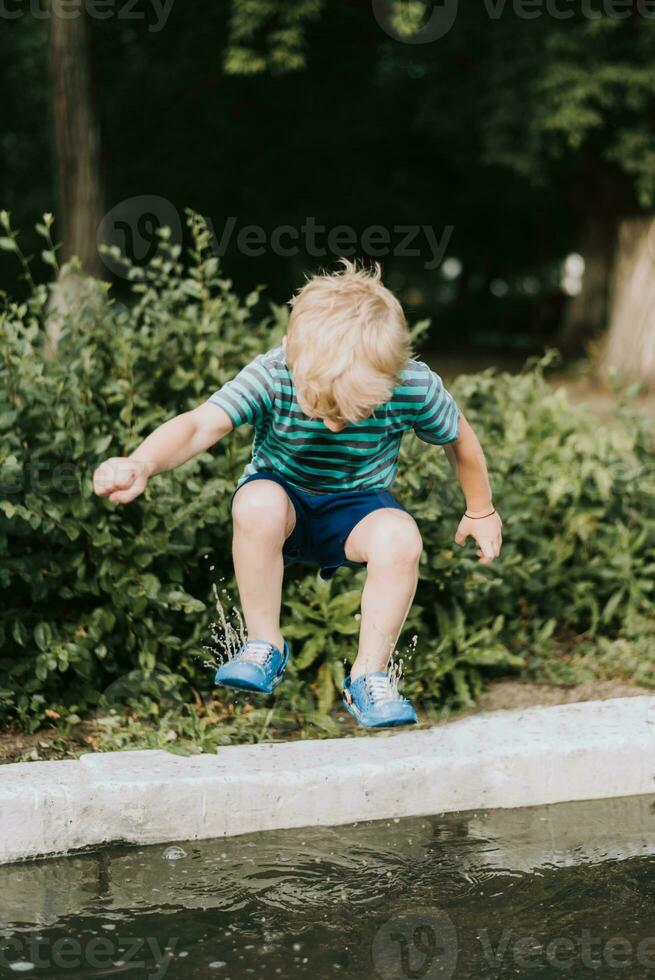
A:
(324, 521)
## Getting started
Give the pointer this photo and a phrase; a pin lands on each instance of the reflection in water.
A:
(492, 893)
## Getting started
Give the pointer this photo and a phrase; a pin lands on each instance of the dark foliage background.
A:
(515, 132)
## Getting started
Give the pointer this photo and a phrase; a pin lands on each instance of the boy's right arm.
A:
(123, 478)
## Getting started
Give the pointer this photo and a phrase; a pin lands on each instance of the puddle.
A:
(566, 890)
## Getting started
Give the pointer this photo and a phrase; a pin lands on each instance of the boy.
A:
(329, 408)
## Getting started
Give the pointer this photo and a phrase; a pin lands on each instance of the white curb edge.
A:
(582, 751)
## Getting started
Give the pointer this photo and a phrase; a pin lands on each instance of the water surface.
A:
(558, 891)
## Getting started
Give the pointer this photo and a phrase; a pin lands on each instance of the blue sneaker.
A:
(374, 703)
(257, 666)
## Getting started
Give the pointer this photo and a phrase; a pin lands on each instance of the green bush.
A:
(93, 592)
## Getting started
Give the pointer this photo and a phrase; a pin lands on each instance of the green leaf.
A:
(492, 657)
(612, 605)
(43, 636)
(311, 650)
(338, 674)
(345, 604)
(103, 443)
(349, 627)
(298, 631)
(461, 688)
(19, 632)
(325, 689)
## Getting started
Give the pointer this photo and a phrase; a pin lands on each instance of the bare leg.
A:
(389, 541)
(263, 518)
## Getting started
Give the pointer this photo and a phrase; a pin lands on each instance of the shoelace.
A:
(256, 652)
(380, 689)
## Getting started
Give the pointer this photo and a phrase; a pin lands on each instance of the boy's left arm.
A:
(481, 521)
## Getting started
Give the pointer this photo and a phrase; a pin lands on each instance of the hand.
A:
(485, 531)
(121, 479)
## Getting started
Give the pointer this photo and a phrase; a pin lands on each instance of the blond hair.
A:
(347, 343)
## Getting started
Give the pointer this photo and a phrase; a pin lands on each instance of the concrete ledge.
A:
(590, 750)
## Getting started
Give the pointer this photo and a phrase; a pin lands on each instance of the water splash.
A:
(395, 672)
(397, 663)
(228, 632)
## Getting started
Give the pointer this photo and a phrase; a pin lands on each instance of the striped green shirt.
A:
(363, 456)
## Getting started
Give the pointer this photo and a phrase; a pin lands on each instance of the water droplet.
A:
(174, 854)
(227, 637)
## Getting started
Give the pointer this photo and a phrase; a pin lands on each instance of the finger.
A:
(126, 496)
(461, 537)
(488, 550)
(114, 475)
(99, 487)
(102, 481)
(485, 552)
(124, 478)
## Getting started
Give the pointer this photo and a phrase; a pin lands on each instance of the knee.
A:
(261, 508)
(397, 543)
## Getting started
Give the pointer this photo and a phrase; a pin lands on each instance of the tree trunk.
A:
(76, 137)
(587, 313)
(629, 348)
